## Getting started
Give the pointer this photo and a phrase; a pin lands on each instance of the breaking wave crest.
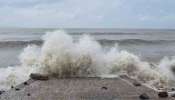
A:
(135, 41)
(101, 41)
(19, 43)
(61, 56)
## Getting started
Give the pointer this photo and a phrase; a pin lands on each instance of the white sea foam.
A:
(166, 67)
(61, 56)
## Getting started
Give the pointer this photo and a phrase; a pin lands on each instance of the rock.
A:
(173, 69)
(173, 95)
(123, 76)
(136, 83)
(12, 87)
(144, 96)
(38, 76)
(28, 94)
(17, 89)
(163, 94)
(172, 89)
(104, 88)
(1, 92)
(25, 83)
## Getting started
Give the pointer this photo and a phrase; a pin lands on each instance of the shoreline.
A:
(78, 88)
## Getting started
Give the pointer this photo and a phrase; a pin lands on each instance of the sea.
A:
(144, 54)
(149, 44)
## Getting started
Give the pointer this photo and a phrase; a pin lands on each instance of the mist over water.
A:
(61, 56)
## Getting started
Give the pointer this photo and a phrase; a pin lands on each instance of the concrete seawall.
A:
(120, 88)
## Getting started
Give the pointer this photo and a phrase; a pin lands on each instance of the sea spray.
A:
(30, 55)
(12, 76)
(167, 67)
(61, 56)
(123, 62)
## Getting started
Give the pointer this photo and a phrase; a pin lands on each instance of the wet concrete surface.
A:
(121, 88)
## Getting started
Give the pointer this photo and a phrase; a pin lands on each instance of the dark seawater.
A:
(150, 45)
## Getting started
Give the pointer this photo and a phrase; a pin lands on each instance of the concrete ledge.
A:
(80, 89)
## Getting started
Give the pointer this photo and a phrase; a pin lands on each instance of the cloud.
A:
(62, 13)
(85, 13)
(25, 3)
(169, 17)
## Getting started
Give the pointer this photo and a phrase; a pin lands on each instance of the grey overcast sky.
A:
(88, 13)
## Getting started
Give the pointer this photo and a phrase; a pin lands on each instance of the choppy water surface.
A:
(87, 52)
(150, 45)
